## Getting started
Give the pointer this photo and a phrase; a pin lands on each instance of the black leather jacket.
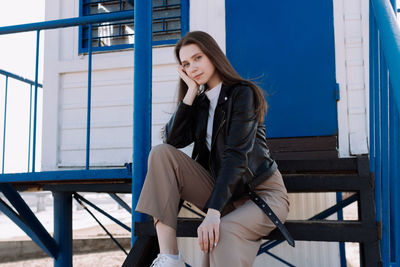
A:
(239, 149)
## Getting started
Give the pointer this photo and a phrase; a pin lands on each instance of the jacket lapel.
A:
(201, 123)
(219, 114)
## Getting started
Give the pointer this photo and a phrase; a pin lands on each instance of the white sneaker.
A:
(163, 260)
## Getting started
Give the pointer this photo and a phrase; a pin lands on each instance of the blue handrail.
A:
(142, 102)
(384, 123)
(30, 127)
(35, 102)
(19, 78)
(5, 125)
(89, 99)
(65, 23)
(142, 83)
(29, 82)
(55, 24)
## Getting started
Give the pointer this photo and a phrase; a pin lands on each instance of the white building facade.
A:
(65, 101)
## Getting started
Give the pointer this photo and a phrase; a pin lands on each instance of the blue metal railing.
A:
(9, 75)
(141, 135)
(63, 23)
(384, 123)
(141, 102)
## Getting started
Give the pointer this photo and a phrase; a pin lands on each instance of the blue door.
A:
(287, 48)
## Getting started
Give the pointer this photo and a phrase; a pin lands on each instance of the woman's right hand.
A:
(193, 87)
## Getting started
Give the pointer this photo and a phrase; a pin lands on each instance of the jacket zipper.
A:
(252, 174)
(212, 144)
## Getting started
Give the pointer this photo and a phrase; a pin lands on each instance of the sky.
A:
(17, 55)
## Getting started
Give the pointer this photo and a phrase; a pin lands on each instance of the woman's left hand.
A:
(208, 231)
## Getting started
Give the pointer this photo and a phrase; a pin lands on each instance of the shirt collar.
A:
(213, 93)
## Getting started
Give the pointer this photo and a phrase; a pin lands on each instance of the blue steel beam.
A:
(395, 169)
(66, 175)
(378, 154)
(384, 88)
(120, 202)
(373, 85)
(280, 259)
(342, 248)
(385, 56)
(393, 180)
(30, 128)
(141, 101)
(12, 215)
(81, 198)
(64, 23)
(89, 98)
(94, 187)
(4, 126)
(389, 33)
(19, 78)
(101, 225)
(35, 102)
(29, 218)
(63, 228)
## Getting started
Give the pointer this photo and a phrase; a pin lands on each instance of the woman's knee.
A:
(161, 152)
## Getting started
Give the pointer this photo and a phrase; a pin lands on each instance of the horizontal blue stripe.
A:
(19, 78)
(70, 22)
(69, 175)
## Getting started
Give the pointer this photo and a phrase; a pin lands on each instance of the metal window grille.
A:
(168, 24)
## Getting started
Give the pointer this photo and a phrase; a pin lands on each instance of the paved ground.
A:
(111, 259)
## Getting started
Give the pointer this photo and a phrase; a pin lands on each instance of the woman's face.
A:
(198, 66)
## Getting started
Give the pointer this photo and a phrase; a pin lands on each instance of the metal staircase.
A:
(301, 176)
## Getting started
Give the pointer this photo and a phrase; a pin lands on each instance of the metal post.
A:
(89, 99)
(63, 228)
(377, 168)
(5, 126)
(384, 80)
(393, 180)
(30, 126)
(35, 102)
(395, 169)
(394, 184)
(141, 101)
(28, 217)
(372, 86)
(342, 248)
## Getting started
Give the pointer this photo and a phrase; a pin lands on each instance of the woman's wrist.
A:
(214, 212)
(190, 96)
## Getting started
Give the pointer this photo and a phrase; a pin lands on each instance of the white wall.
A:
(65, 90)
(65, 85)
(351, 49)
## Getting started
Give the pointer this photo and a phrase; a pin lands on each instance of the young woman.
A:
(230, 176)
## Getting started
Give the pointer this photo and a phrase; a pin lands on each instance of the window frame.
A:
(184, 30)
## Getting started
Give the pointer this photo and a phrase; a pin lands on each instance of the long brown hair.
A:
(226, 72)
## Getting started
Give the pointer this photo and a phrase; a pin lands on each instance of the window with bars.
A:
(170, 22)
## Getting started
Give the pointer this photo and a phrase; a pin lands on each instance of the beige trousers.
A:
(172, 175)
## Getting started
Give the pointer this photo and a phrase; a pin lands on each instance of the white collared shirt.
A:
(212, 95)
